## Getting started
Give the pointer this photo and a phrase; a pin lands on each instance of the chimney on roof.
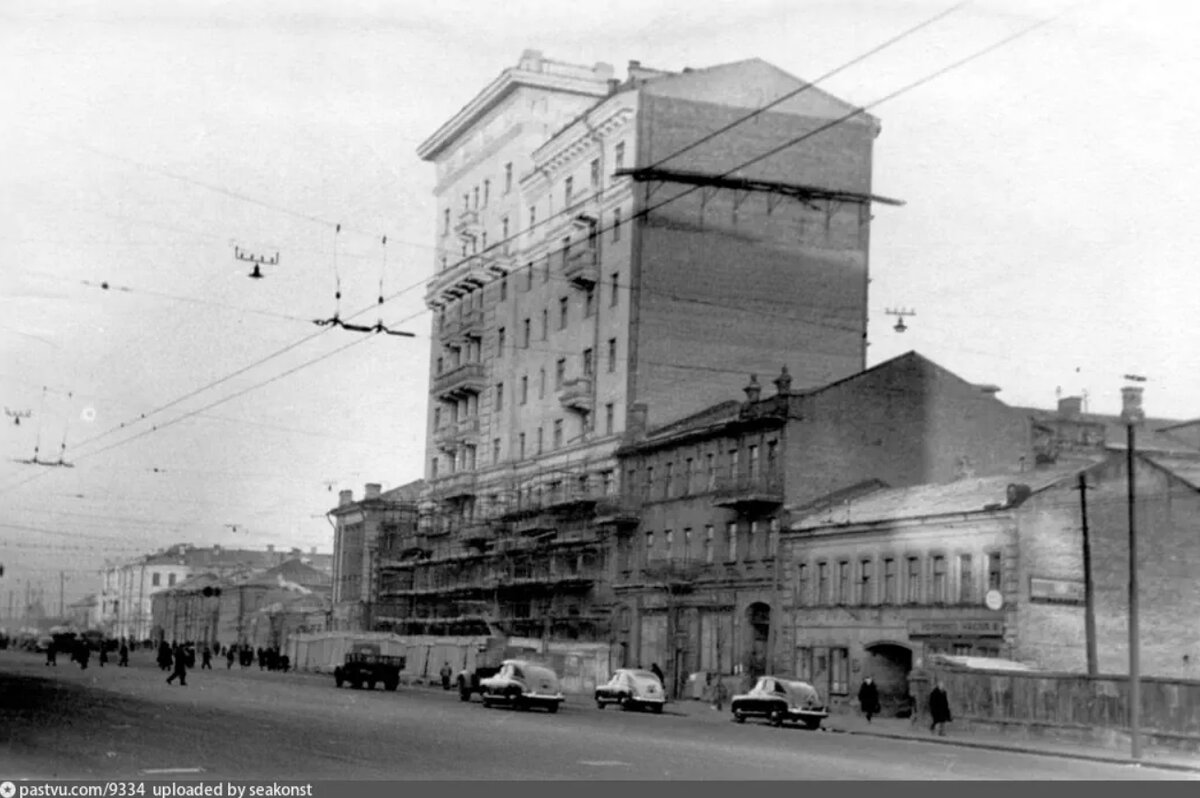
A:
(270, 547)
(372, 491)
(635, 64)
(753, 389)
(216, 548)
(990, 390)
(783, 383)
(1070, 406)
(345, 497)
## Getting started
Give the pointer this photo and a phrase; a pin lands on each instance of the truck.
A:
(365, 665)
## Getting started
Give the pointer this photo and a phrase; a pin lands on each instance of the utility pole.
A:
(1089, 611)
(1131, 414)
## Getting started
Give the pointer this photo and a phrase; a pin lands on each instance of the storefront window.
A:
(804, 664)
(839, 671)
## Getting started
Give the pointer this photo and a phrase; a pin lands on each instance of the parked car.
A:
(365, 665)
(632, 689)
(523, 685)
(779, 701)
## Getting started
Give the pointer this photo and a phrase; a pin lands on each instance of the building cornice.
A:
(580, 138)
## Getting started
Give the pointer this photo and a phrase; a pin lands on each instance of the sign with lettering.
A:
(1056, 591)
(956, 627)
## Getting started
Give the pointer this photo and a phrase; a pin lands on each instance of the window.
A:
(801, 585)
(566, 251)
(476, 192)
(483, 242)
(560, 372)
(669, 543)
(521, 445)
(864, 582)
(524, 389)
(939, 580)
(670, 480)
(804, 664)
(619, 156)
(773, 538)
(731, 536)
(495, 450)
(526, 332)
(503, 287)
(558, 433)
(437, 417)
(568, 190)
(532, 217)
(966, 580)
(446, 223)
(589, 303)
(649, 546)
(545, 324)
(710, 468)
(499, 396)
(444, 263)
(500, 342)
(753, 462)
(889, 580)
(508, 177)
(587, 362)
(467, 201)
(595, 173)
(612, 355)
(154, 579)
(843, 582)
(170, 579)
(546, 270)
(687, 543)
(822, 583)
(504, 232)
(541, 383)
(688, 466)
(839, 671)
(994, 572)
(753, 545)
(616, 284)
(733, 463)
(563, 305)
(649, 482)
(708, 543)
(487, 193)
(616, 225)
(528, 277)
(914, 580)
(539, 440)
(772, 456)
(608, 418)
(433, 468)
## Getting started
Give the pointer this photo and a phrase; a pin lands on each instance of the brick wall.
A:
(906, 422)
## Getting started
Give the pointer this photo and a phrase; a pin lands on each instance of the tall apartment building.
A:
(602, 267)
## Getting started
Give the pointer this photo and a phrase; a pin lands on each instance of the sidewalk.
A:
(904, 729)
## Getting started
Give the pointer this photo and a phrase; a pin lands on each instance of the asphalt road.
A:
(127, 723)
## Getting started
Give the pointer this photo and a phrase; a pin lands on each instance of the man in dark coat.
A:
(123, 662)
(51, 655)
(230, 655)
(83, 654)
(868, 698)
(657, 671)
(939, 709)
(180, 667)
(164, 655)
(446, 673)
(206, 657)
(103, 653)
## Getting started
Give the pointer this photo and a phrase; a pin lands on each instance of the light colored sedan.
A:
(632, 689)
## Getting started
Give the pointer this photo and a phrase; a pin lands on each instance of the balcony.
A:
(500, 260)
(745, 490)
(461, 279)
(576, 394)
(460, 381)
(534, 524)
(453, 486)
(468, 324)
(451, 435)
(582, 267)
(468, 225)
(619, 510)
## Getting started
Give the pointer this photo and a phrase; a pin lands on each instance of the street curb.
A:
(1024, 750)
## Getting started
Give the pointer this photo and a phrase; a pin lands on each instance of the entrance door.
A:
(758, 617)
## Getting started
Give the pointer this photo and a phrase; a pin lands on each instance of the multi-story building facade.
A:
(695, 582)
(368, 533)
(600, 267)
(127, 588)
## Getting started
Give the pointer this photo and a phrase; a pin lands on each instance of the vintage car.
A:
(632, 689)
(522, 684)
(781, 700)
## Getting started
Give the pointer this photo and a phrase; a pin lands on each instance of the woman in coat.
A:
(868, 698)
(939, 709)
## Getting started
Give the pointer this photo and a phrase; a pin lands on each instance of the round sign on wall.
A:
(994, 600)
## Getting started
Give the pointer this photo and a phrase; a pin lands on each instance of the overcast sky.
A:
(1047, 242)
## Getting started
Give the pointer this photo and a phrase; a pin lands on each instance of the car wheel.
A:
(552, 707)
(813, 725)
(356, 684)
(371, 685)
(487, 704)
(776, 717)
(658, 709)
(599, 704)
(739, 716)
(337, 677)
(391, 684)
(626, 703)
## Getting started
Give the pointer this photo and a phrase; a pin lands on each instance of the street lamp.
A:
(1131, 416)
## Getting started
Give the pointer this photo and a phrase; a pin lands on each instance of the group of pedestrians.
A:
(939, 704)
(81, 652)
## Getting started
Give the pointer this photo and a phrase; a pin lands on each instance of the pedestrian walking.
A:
(103, 653)
(446, 673)
(657, 671)
(180, 668)
(164, 656)
(206, 658)
(868, 698)
(51, 655)
(123, 661)
(83, 654)
(230, 654)
(939, 709)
